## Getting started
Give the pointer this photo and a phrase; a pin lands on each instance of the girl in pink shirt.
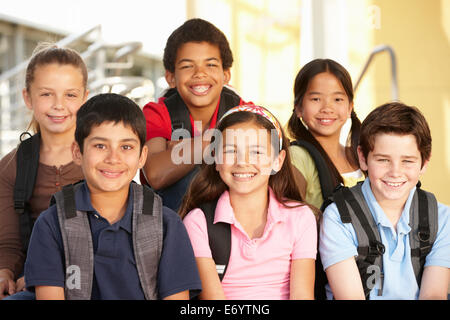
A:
(273, 233)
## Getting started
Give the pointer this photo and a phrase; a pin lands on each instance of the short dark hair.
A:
(196, 30)
(109, 107)
(396, 118)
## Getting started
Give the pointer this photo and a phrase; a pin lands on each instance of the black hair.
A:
(196, 30)
(109, 107)
(295, 126)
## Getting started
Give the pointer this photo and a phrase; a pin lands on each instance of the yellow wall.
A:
(419, 32)
(265, 39)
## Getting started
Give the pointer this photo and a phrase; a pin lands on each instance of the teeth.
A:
(394, 184)
(200, 89)
(57, 118)
(326, 120)
(243, 175)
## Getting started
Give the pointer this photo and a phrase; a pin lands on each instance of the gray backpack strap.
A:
(353, 209)
(147, 237)
(77, 242)
(423, 219)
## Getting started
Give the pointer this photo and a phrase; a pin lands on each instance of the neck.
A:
(111, 205)
(337, 153)
(203, 114)
(251, 211)
(56, 141)
(393, 211)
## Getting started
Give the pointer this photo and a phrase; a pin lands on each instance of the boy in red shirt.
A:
(197, 59)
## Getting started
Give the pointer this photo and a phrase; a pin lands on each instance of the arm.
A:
(49, 293)
(345, 281)
(159, 169)
(184, 295)
(212, 288)
(302, 279)
(434, 285)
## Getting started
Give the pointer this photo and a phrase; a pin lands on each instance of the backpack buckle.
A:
(423, 236)
(376, 248)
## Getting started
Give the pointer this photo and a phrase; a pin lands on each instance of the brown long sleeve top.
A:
(49, 180)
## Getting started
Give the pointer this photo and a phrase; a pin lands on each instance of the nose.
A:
(113, 156)
(199, 71)
(395, 169)
(328, 105)
(59, 102)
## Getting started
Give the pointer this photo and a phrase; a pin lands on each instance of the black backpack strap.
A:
(26, 172)
(326, 184)
(370, 252)
(424, 223)
(219, 235)
(179, 113)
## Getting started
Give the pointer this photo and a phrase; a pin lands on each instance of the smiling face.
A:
(54, 96)
(394, 167)
(325, 106)
(199, 76)
(111, 157)
(247, 159)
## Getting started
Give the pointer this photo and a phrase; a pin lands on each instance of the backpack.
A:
(26, 172)
(353, 209)
(327, 187)
(75, 229)
(179, 116)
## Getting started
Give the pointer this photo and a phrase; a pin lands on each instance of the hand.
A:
(20, 284)
(7, 283)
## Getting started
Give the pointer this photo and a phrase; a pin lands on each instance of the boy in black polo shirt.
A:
(135, 248)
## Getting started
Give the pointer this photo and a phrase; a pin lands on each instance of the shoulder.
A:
(47, 223)
(301, 158)
(195, 219)
(8, 166)
(158, 120)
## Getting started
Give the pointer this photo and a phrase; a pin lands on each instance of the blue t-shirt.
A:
(115, 272)
(338, 242)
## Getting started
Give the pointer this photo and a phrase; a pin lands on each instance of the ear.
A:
(279, 160)
(170, 78)
(143, 156)
(298, 111)
(350, 109)
(27, 98)
(76, 153)
(86, 94)
(362, 159)
(424, 167)
(226, 76)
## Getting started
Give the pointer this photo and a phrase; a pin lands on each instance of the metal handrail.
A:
(375, 51)
(62, 43)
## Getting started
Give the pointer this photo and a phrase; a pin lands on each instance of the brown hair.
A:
(296, 128)
(47, 53)
(397, 118)
(207, 185)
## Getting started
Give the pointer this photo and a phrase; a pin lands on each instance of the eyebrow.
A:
(191, 60)
(388, 156)
(106, 139)
(336, 92)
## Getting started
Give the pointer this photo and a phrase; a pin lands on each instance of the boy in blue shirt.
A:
(117, 241)
(394, 150)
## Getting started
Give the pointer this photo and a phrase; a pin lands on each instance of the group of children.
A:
(249, 224)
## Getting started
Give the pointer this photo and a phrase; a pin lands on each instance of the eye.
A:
(315, 99)
(127, 147)
(100, 146)
(212, 65)
(72, 95)
(45, 94)
(186, 66)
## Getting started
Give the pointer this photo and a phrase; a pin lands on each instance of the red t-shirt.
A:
(159, 123)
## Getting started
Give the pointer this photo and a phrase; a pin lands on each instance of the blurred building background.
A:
(406, 41)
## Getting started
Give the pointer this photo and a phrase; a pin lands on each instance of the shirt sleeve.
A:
(302, 160)
(306, 245)
(11, 256)
(195, 223)
(44, 265)
(158, 120)
(177, 268)
(440, 253)
(337, 241)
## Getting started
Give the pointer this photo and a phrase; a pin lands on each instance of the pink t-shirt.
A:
(258, 268)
